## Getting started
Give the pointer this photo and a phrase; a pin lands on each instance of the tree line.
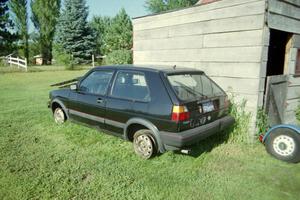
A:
(63, 32)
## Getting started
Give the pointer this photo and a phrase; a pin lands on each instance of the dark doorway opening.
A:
(276, 82)
(277, 52)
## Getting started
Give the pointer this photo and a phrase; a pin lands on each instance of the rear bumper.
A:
(192, 136)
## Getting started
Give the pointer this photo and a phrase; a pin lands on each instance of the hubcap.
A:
(284, 145)
(143, 146)
(59, 116)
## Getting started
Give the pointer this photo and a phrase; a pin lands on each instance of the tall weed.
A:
(239, 132)
(262, 124)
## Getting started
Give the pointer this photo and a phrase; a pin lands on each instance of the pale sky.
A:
(134, 8)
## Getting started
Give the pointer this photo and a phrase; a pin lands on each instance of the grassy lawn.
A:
(40, 160)
(36, 68)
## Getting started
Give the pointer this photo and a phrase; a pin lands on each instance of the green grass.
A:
(36, 68)
(40, 160)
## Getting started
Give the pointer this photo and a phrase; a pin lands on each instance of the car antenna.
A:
(174, 67)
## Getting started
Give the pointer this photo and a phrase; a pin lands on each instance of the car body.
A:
(169, 107)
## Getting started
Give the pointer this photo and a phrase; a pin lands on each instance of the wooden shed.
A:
(249, 47)
(38, 59)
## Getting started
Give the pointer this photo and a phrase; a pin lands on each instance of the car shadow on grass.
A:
(208, 144)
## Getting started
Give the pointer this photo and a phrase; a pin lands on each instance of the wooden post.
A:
(18, 62)
(26, 64)
(93, 60)
(9, 61)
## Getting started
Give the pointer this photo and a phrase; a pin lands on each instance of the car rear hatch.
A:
(200, 99)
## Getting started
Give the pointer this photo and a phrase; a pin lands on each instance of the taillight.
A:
(180, 114)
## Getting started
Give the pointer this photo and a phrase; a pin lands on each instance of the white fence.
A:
(17, 61)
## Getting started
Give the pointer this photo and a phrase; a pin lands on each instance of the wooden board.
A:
(182, 42)
(234, 39)
(294, 2)
(275, 99)
(284, 15)
(245, 54)
(230, 69)
(283, 23)
(293, 92)
(292, 105)
(241, 85)
(294, 81)
(191, 10)
(296, 41)
(246, 9)
(284, 8)
(245, 23)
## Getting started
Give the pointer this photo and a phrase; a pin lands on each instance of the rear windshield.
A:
(189, 86)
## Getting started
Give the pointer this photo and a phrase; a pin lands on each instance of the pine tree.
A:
(157, 6)
(44, 18)
(74, 33)
(6, 38)
(4, 16)
(19, 9)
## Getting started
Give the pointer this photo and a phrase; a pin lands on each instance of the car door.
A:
(128, 98)
(87, 103)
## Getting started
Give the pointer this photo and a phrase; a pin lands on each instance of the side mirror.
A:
(73, 87)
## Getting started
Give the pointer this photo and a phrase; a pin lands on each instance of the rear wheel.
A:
(144, 144)
(284, 144)
(59, 115)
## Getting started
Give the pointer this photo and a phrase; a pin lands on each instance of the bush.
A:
(239, 133)
(119, 57)
(2, 62)
(62, 58)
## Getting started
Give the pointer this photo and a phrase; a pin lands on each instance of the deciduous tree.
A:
(44, 17)
(118, 40)
(101, 26)
(119, 33)
(157, 6)
(20, 17)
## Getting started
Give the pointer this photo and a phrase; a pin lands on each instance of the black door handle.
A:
(99, 100)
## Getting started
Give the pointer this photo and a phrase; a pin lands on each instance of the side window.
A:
(131, 85)
(96, 83)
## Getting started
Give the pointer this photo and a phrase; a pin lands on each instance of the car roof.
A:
(150, 68)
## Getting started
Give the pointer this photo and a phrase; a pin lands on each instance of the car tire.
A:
(59, 116)
(144, 144)
(284, 144)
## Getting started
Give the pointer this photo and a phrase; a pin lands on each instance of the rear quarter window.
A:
(132, 86)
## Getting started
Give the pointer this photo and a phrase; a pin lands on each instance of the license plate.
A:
(208, 107)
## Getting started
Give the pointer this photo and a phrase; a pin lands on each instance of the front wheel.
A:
(59, 116)
(284, 144)
(144, 144)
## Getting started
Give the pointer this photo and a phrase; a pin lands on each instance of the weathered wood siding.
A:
(225, 39)
(284, 15)
(293, 91)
